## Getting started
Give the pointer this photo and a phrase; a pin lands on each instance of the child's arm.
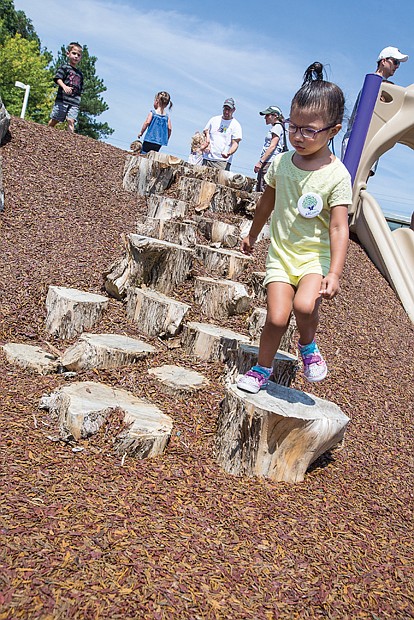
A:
(146, 124)
(169, 128)
(263, 210)
(67, 89)
(339, 235)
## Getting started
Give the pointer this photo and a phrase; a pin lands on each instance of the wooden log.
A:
(241, 359)
(31, 358)
(166, 158)
(184, 233)
(259, 291)
(236, 180)
(218, 232)
(70, 311)
(225, 263)
(210, 342)
(104, 351)
(197, 192)
(177, 380)
(276, 433)
(151, 262)
(244, 229)
(166, 208)
(220, 298)
(247, 201)
(155, 313)
(146, 176)
(224, 200)
(82, 407)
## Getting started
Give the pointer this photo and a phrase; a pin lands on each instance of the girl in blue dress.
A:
(157, 125)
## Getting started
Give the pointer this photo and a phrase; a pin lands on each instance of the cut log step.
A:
(218, 232)
(276, 433)
(154, 313)
(183, 233)
(70, 311)
(151, 262)
(82, 407)
(245, 356)
(145, 176)
(225, 263)
(210, 342)
(31, 357)
(104, 351)
(166, 208)
(177, 380)
(220, 298)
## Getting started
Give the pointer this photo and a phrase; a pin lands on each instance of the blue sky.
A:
(205, 51)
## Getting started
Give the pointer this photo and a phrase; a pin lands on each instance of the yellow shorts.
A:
(280, 275)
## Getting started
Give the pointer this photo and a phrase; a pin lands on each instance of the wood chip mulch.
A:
(88, 535)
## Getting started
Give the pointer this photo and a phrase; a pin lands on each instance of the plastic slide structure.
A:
(385, 117)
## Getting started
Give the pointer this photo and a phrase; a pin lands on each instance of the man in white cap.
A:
(223, 134)
(388, 61)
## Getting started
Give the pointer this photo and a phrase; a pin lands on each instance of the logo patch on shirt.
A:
(310, 205)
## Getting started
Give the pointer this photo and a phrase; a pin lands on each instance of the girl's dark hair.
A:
(320, 96)
(164, 98)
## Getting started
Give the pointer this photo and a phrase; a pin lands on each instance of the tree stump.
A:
(225, 263)
(224, 200)
(235, 180)
(196, 192)
(210, 342)
(244, 229)
(154, 313)
(31, 357)
(276, 433)
(259, 291)
(240, 360)
(70, 312)
(104, 351)
(177, 380)
(218, 232)
(145, 176)
(166, 208)
(81, 408)
(183, 233)
(220, 298)
(151, 262)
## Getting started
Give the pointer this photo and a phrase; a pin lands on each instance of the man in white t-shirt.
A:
(223, 134)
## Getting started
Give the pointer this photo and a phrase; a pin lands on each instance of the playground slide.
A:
(391, 251)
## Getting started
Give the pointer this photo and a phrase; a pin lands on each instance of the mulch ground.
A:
(87, 535)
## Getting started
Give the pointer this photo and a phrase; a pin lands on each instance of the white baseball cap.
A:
(392, 52)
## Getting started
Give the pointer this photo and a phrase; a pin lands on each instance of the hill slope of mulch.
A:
(85, 535)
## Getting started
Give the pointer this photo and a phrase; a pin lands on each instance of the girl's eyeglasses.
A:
(395, 62)
(306, 132)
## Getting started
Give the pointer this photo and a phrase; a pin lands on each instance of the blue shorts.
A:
(61, 111)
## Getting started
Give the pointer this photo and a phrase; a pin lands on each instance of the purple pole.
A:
(367, 101)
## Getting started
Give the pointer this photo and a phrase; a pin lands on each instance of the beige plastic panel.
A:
(392, 252)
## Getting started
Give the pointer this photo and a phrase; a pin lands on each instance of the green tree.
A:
(20, 59)
(92, 103)
(14, 22)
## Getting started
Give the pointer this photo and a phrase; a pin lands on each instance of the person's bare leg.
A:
(71, 125)
(52, 123)
(279, 307)
(306, 307)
